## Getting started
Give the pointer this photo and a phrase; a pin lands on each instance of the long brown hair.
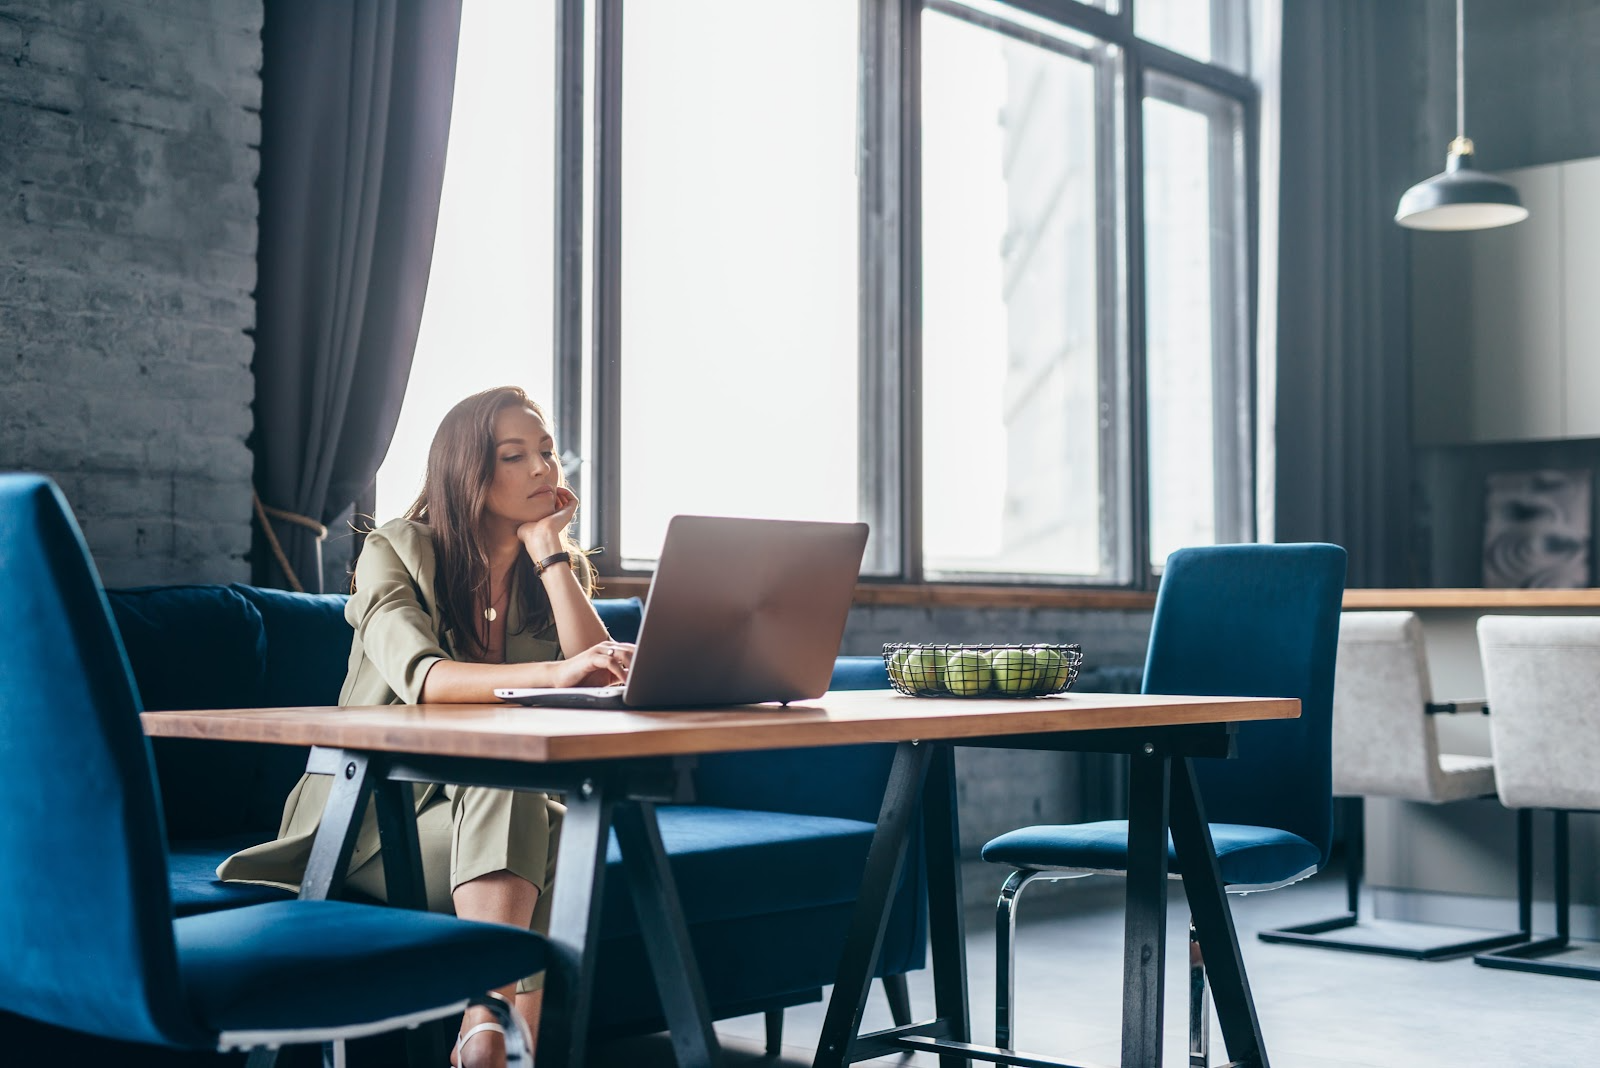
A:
(455, 494)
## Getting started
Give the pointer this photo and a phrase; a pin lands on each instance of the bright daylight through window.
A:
(486, 321)
(1010, 342)
(739, 251)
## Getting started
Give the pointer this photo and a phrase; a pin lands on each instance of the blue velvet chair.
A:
(1230, 620)
(88, 938)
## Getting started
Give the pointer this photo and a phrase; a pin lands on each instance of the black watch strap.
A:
(558, 558)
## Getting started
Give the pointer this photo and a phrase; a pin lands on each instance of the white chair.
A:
(1385, 744)
(1543, 680)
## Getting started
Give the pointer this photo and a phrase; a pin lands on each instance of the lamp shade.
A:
(1460, 199)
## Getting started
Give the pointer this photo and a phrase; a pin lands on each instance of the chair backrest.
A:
(85, 915)
(1385, 743)
(1542, 679)
(1257, 621)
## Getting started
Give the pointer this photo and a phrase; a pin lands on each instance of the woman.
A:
(479, 586)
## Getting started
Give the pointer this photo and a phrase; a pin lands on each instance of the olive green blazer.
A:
(398, 637)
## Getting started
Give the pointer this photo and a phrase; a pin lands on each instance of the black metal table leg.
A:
(864, 939)
(574, 918)
(1213, 921)
(336, 833)
(947, 929)
(1145, 937)
(666, 935)
(400, 849)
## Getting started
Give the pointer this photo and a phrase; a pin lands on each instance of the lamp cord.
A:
(1461, 87)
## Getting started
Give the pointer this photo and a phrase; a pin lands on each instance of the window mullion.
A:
(567, 292)
(890, 306)
(607, 388)
(1141, 571)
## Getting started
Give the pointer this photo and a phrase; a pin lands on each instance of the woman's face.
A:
(526, 467)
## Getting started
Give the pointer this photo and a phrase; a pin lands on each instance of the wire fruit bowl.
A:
(961, 670)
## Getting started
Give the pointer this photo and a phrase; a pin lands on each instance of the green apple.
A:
(1050, 670)
(1014, 671)
(968, 673)
(897, 667)
(1063, 677)
(925, 670)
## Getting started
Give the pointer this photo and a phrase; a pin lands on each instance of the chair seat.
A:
(1253, 857)
(193, 877)
(320, 964)
(1464, 776)
(804, 861)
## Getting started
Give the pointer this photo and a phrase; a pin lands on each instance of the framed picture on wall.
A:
(1537, 529)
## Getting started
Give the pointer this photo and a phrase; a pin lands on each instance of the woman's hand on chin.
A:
(599, 665)
(542, 537)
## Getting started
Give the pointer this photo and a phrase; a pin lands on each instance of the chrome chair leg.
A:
(1199, 1005)
(1005, 970)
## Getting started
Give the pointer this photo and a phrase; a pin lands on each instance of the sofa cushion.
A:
(191, 646)
(195, 887)
(621, 615)
(843, 781)
(777, 860)
(308, 641)
(307, 646)
(196, 647)
(859, 673)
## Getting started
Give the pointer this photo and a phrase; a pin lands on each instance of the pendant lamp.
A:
(1461, 198)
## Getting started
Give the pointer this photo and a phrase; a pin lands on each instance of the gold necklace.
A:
(489, 613)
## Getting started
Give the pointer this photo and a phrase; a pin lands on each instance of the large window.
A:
(976, 271)
(1013, 383)
(738, 348)
(1196, 329)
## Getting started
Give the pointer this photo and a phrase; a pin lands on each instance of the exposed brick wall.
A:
(128, 161)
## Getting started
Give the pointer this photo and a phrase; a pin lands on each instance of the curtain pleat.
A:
(1343, 469)
(355, 117)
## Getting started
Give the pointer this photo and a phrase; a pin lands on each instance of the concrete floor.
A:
(1318, 1009)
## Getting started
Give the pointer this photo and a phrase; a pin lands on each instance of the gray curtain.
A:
(355, 117)
(1343, 389)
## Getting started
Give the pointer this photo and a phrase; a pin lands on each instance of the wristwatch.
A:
(559, 558)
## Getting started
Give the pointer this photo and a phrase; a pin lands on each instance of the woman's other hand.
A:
(599, 665)
(542, 537)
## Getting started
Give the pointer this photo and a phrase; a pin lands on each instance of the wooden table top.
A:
(512, 732)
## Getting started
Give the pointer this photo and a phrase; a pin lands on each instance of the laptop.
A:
(741, 611)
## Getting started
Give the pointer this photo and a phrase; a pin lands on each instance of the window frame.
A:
(588, 384)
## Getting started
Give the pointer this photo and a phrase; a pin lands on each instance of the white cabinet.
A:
(1580, 269)
(1506, 322)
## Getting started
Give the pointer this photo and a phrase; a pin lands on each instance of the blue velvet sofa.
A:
(768, 861)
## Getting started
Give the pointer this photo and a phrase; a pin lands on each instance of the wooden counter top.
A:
(839, 718)
(1472, 598)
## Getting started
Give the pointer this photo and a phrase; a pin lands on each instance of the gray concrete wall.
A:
(128, 160)
(1533, 83)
